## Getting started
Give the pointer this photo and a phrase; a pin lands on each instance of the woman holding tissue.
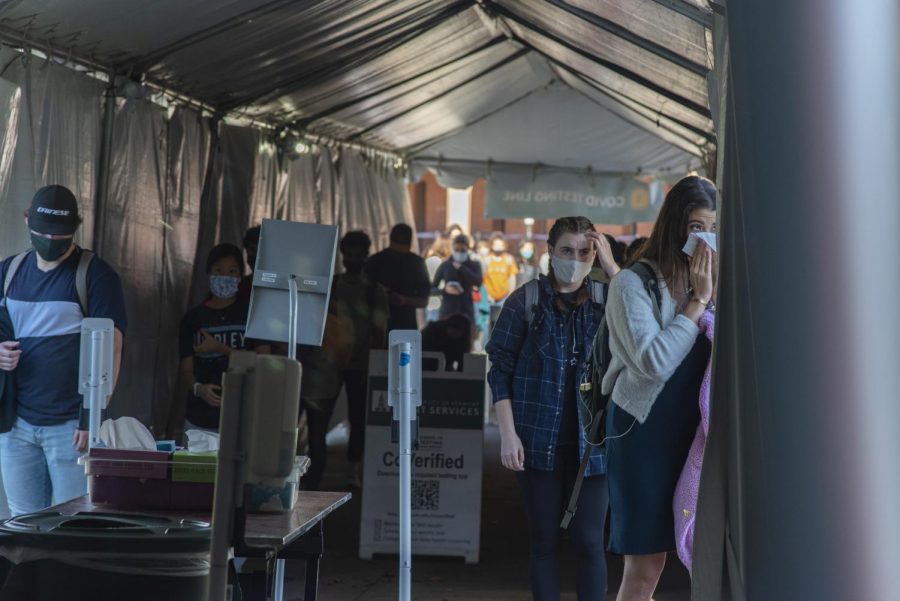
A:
(539, 355)
(654, 377)
(208, 334)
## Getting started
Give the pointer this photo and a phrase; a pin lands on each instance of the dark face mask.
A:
(49, 249)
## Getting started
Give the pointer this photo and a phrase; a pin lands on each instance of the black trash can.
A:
(103, 557)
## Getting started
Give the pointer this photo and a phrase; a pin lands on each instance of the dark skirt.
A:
(646, 462)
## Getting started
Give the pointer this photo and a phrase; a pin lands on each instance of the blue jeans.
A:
(40, 466)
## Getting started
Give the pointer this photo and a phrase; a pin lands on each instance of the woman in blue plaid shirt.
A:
(538, 357)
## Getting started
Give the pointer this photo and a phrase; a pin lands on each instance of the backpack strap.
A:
(81, 287)
(598, 292)
(532, 300)
(648, 277)
(579, 480)
(11, 271)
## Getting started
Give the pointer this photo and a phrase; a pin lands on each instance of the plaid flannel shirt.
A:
(528, 366)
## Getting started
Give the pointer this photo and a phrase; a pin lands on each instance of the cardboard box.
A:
(127, 463)
(194, 467)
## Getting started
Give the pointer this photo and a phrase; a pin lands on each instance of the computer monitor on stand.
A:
(261, 395)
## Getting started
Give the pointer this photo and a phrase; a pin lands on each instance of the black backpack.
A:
(593, 403)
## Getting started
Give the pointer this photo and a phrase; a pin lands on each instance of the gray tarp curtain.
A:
(370, 197)
(799, 494)
(132, 242)
(188, 135)
(58, 141)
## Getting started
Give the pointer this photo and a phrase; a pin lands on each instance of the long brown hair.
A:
(670, 232)
(568, 225)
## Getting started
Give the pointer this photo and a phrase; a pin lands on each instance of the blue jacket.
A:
(528, 367)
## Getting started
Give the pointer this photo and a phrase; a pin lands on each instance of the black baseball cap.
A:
(54, 211)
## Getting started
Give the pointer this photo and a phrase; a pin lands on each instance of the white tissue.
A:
(126, 433)
(199, 441)
(694, 238)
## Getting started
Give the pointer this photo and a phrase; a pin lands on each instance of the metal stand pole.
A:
(95, 385)
(293, 316)
(228, 486)
(405, 390)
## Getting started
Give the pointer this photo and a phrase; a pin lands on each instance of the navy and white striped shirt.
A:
(529, 368)
(46, 317)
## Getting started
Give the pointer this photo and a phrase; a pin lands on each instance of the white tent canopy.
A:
(565, 129)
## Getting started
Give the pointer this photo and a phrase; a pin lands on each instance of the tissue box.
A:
(128, 478)
(194, 467)
(151, 479)
(126, 463)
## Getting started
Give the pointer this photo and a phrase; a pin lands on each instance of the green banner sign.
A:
(551, 194)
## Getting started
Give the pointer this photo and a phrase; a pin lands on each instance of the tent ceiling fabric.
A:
(397, 74)
(564, 124)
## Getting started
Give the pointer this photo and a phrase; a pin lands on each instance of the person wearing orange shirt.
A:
(499, 274)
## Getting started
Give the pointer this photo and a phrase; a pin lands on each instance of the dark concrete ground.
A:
(502, 574)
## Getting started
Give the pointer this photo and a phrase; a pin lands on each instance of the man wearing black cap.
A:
(48, 291)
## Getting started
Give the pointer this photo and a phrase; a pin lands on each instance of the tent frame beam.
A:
(509, 59)
(629, 36)
(688, 10)
(146, 61)
(710, 137)
(614, 67)
(305, 121)
(328, 70)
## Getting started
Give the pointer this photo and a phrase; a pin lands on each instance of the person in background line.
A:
(483, 250)
(438, 253)
(454, 230)
(404, 275)
(481, 299)
(251, 246)
(618, 249)
(456, 279)
(658, 360)
(499, 275)
(528, 264)
(208, 334)
(451, 336)
(357, 323)
(39, 455)
(538, 359)
(634, 249)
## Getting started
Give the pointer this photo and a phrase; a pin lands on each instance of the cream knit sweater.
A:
(644, 355)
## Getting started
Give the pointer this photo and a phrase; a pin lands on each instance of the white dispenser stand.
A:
(404, 396)
(95, 370)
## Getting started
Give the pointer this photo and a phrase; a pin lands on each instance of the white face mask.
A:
(460, 257)
(570, 272)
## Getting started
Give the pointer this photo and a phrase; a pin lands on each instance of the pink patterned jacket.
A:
(685, 502)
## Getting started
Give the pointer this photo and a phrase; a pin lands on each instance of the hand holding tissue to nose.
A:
(695, 238)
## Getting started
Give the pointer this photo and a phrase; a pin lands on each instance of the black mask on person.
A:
(354, 265)
(50, 249)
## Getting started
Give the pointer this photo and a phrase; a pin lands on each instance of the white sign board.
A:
(446, 468)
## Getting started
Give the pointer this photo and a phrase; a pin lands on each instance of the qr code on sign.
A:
(426, 495)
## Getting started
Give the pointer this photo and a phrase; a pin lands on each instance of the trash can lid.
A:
(107, 531)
